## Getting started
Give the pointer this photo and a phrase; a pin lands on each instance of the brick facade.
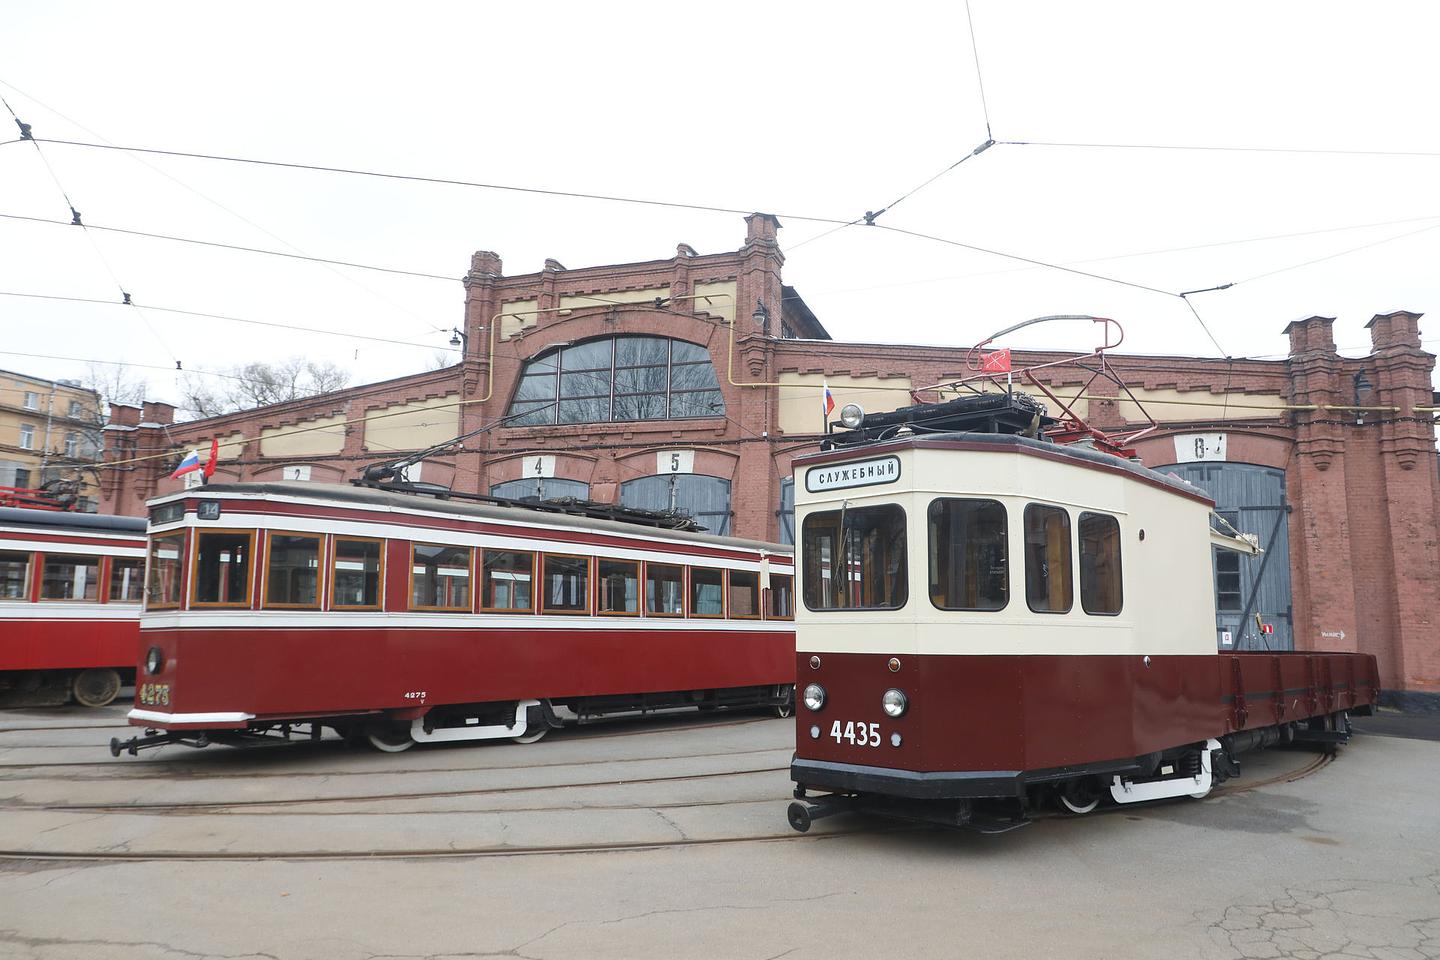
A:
(1363, 484)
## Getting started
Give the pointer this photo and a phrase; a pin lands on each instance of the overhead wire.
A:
(979, 77)
(1221, 148)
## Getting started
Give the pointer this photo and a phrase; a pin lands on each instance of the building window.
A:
(1227, 581)
(70, 578)
(358, 574)
(619, 586)
(126, 576)
(32, 400)
(14, 576)
(440, 577)
(621, 378)
(1047, 559)
(22, 478)
(27, 436)
(163, 584)
(1100, 587)
(786, 513)
(75, 410)
(222, 568)
(664, 590)
(292, 570)
(507, 581)
(969, 561)
(72, 445)
(706, 499)
(536, 489)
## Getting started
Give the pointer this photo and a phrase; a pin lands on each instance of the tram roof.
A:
(371, 497)
(61, 519)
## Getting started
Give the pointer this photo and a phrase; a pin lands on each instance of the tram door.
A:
(1252, 499)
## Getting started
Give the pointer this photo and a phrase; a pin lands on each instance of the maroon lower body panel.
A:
(78, 644)
(987, 725)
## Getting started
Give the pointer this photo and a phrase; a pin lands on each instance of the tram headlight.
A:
(814, 696)
(154, 660)
(895, 702)
(852, 415)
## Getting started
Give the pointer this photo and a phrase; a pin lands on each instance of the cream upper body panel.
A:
(1166, 577)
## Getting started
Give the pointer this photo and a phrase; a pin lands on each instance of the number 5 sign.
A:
(675, 461)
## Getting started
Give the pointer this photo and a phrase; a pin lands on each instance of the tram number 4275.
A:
(859, 734)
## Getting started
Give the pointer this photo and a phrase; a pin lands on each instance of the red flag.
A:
(997, 361)
(214, 456)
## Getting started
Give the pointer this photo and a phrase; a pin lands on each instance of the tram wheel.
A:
(1080, 796)
(96, 687)
(388, 738)
(533, 734)
(786, 710)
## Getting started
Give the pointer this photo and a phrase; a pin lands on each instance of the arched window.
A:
(617, 379)
(541, 488)
(707, 499)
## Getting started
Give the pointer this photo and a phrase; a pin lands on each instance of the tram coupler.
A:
(152, 739)
(804, 812)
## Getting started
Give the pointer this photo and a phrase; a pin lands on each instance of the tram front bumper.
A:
(853, 778)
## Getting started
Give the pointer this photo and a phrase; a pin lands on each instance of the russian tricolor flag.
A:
(188, 465)
(827, 399)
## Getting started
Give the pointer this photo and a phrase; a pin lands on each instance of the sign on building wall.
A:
(675, 461)
(296, 472)
(539, 466)
(1194, 447)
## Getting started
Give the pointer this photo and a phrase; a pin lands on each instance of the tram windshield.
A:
(855, 559)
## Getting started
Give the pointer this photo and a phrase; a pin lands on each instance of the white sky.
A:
(791, 108)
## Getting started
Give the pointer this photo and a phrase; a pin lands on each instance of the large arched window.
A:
(541, 488)
(707, 499)
(617, 379)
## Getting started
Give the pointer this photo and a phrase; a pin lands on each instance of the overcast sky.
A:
(797, 109)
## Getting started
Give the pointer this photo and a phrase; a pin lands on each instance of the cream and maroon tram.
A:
(990, 620)
(403, 618)
(69, 605)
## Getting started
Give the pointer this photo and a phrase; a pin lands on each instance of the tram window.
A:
(744, 594)
(507, 580)
(969, 555)
(357, 575)
(1100, 588)
(664, 590)
(619, 586)
(855, 559)
(439, 577)
(14, 575)
(222, 568)
(292, 570)
(707, 592)
(126, 575)
(782, 597)
(566, 585)
(67, 577)
(1048, 587)
(162, 587)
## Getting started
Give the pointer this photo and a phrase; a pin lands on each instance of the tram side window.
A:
(1100, 588)
(292, 570)
(969, 555)
(162, 588)
(440, 577)
(126, 575)
(222, 568)
(707, 592)
(358, 574)
(1048, 587)
(14, 575)
(507, 579)
(566, 584)
(68, 577)
(744, 594)
(619, 586)
(855, 559)
(782, 596)
(664, 590)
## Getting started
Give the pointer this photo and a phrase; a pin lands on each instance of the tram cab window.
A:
(357, 575)
(855, 559)
(292, 570)
(162, 586)
(1100, 588)
(745, 594)
(707, 592)
(664, 590)
(619, 586)
(1048, 587)
(126, 575)
(969, 555)
(566, 586)
(14, 575)
(67, 577)
(222, 567)
(507, 581)
(782, 596)
(440, 577)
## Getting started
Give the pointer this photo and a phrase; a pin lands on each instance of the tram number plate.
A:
(155, 694)
(859, 734)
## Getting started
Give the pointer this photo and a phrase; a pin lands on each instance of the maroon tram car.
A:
(404, 619)
(69, 605)
(992, 621)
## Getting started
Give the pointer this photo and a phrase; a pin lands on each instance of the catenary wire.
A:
(1219, 148)
(975, 50)
(1342, 253)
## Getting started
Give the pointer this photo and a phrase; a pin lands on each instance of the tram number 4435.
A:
(859, 734)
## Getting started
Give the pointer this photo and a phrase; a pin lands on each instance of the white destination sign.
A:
(861, 473)
(1194, 447)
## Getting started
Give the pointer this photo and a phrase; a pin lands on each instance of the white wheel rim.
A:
(390, 746)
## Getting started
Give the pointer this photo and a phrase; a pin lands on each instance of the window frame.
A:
(684, 590)
(690, 594)
(27, 436)
(1120, 563)
(929, 555)
(1069, 554)
(410, 603)
(27, 580)
(903, 580)
(30, 400)
(543, 606)
(194, 572)
(182, 557)
(334, 558)
(639, 588)
(769, 597)
(44, 558)
(534, 582)
(110, 579)
(320, 585)
(729, 596)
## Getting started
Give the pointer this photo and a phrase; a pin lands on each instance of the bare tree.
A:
(259, 384)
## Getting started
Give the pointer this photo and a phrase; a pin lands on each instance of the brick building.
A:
(692, 381)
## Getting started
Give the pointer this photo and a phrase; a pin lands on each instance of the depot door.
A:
(1252, 498)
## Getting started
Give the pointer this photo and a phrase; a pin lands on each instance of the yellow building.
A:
(49, 430)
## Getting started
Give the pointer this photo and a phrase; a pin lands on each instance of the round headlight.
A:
(154, 660)
(814, 696)
(894, 702)
(851, 415)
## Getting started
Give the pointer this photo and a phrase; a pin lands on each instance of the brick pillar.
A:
(1320, 536)
(1402, 372)
(756, 491)
(482, 302)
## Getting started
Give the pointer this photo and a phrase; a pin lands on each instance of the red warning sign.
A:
(1267, 628)
(997, 361)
